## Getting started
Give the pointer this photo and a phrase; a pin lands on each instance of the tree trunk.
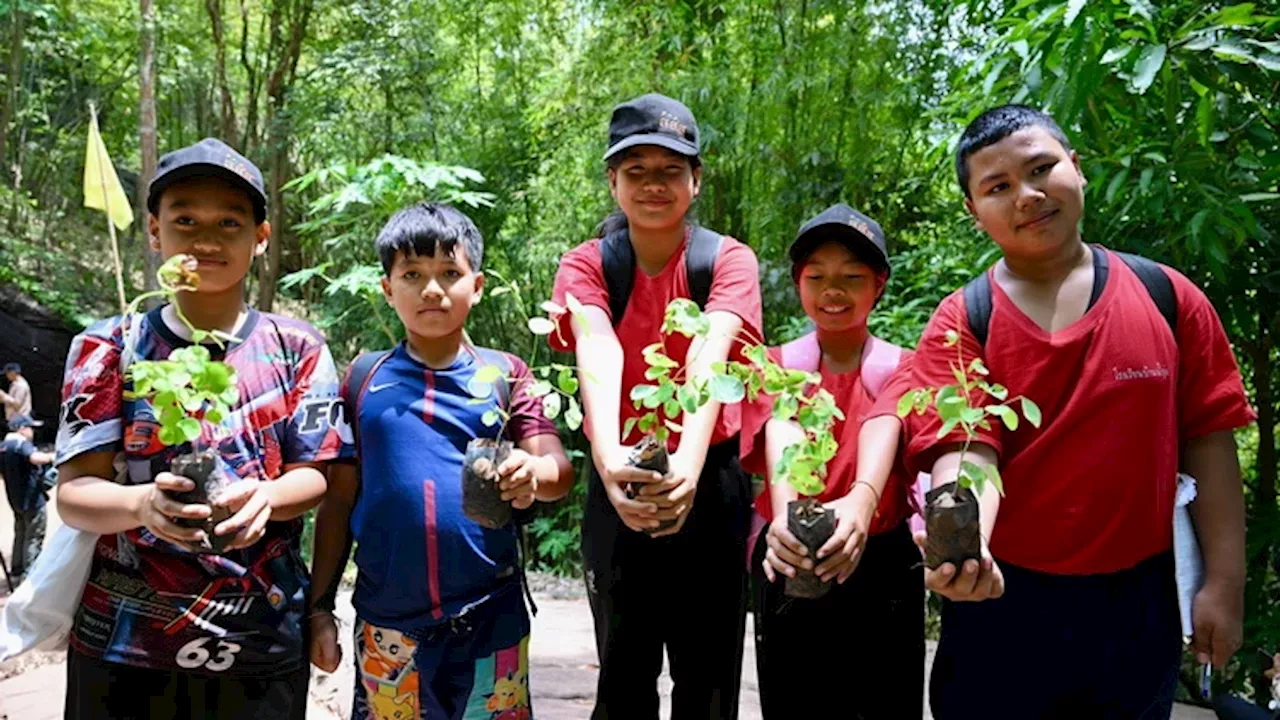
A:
(18, 21)
(287, 52)
(147, 134)
(227, 108)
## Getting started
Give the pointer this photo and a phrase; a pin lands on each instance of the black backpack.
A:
(977, 294)
(618, 259)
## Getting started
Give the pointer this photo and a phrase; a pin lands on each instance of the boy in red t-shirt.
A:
(840, 264)
(683, 588)
(1074, 609)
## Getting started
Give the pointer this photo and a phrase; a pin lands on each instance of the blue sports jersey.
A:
(420, 559)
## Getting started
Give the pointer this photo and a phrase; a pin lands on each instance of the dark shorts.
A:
(857, 652)
(98, 690)
(1055, 646)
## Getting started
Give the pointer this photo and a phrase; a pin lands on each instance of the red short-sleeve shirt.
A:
(1092, 490)
(735, 288)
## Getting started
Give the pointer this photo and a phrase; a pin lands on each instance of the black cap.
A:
(13, 367)
(653, 119)
(209, 157)
(17, 422)
(859, 233)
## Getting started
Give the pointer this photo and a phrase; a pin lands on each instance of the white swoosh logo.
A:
(376, 388)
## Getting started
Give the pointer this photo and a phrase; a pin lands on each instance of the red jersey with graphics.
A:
(152, 604)
(1092, 490)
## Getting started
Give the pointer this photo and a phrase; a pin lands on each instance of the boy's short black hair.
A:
(995, 125)
(420, 229)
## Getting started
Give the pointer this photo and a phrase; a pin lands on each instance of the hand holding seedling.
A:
(619, 476)
(519, 478)
(250, 504)
(785, 552)
(674, 494)
(839, 556)
(976, 581)
(958, 563)
(157, 511)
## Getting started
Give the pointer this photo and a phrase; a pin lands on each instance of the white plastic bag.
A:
(42, 610)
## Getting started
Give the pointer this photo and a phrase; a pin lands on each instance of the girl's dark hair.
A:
(617, 220)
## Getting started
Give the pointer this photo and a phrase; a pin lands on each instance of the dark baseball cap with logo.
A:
(843, 224)
(653, 119)
(209, 158)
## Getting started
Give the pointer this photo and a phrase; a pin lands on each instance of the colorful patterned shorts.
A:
(451, 672)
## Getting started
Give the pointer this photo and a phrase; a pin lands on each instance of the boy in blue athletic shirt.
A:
(441, 625)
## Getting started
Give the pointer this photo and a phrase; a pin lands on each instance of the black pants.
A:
(1093, 646)
(98, 690)
(856, 653)
(686, 592)
(28, 538)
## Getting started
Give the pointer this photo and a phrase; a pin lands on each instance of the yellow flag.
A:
(102, 189)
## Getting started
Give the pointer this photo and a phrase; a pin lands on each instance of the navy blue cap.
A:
(653, 119)
(841, 223)
(209, 158)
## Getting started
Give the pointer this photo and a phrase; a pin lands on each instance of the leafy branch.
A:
(954, 408)
(189, 387)
(797, 396)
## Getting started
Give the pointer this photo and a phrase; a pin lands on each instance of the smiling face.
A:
(432, 294)
(837, 290)
(654, 187)
(1027, 192)
(212, 220)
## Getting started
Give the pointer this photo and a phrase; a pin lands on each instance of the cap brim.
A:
(683, 147)
(186, 172)
(860, 244)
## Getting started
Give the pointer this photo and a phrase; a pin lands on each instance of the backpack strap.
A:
(803, 353)
(879, 360)
(618, 261)
(700, 263)
(977, 304)
(359, 373)
(1158, 285)
(977, 293)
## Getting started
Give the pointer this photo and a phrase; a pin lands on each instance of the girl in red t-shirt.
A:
(874, 609)
(683, 587)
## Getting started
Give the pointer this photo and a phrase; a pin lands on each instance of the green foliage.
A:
(796, 397)
(955, 407)
(189, 388)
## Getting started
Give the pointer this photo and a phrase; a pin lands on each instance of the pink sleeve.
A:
(582, 275)
(902, 380)
(1211, 393)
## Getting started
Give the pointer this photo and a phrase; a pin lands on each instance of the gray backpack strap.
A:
(359, 373)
